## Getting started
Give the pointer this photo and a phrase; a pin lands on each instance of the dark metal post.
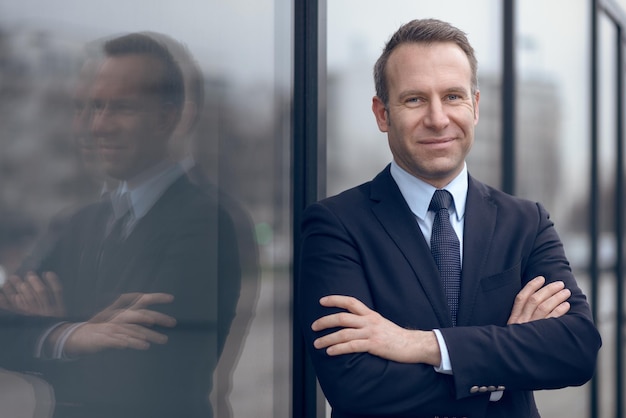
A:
(594, 189)
(619, 225)
(307, 163)
(508, 166)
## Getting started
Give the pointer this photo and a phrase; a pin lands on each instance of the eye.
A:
(97, 105)
(123, 107)
(413, 101)
(453, 97)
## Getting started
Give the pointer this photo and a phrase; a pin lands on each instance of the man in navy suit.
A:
(375, 315)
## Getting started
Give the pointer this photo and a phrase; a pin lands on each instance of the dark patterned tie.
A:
(444, 244)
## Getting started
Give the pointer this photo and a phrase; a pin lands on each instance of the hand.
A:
(536, 301)
(124, 324)
(33, 295)
(364, 330)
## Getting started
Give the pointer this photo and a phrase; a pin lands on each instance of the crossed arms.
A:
(363, 330)
(125, 324)
(369, 318)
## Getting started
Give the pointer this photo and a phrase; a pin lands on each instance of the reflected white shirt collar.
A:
(418, 193)
(144, 190)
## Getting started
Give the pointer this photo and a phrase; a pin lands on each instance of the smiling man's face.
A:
(130, 125)
(432, 113)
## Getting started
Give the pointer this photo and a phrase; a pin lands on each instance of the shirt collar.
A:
(143, 191)
(418, 193)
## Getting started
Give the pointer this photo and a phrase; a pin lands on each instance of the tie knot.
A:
(442, 199)
(121, 204)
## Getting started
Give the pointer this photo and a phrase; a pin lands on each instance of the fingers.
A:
(55, 292)
(348, 340)
(148, 299)
(33, 295)
(352, 319)
(141, 300)
(9, 287)
(92, 338)
(130, 308)
(341, 319)
(143, 317)
(349, 303)
(134, 336)
(536, 301)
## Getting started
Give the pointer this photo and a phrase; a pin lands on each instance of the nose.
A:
(82, 121)
(101, 122)
(436, 116)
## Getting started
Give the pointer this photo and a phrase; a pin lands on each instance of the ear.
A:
(168, 118)
(381, 114)
(188, 117)
(476, 107)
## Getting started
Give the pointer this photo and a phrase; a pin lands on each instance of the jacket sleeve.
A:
(544, 354)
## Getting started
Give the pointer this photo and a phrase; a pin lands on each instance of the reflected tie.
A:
(117, 228)
(444, 245)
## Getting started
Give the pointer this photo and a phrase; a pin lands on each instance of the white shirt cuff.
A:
(39, 347)
(446, 365)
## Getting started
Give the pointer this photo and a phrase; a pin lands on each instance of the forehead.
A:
(428, 64)
(127, 74)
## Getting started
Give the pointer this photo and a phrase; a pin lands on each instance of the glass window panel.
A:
(553, 139)
(222, 246)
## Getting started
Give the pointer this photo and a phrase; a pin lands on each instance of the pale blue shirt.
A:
(418, 195)
(144, 190)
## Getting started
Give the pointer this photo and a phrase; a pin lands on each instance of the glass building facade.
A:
(285, 118)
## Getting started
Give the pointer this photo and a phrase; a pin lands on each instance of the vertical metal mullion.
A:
(594, 190)
(619, 227)
(508, 98)
(306, 185)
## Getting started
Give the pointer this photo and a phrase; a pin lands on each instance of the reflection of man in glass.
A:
(146, 318)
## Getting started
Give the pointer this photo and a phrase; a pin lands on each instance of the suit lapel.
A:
(147, 236)
(393, 213)
(480, 221)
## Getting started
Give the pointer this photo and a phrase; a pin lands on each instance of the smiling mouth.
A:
(436, 141)
(110, 151)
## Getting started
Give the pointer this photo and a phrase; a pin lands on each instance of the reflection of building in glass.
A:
(538, 118)
(357, 150)
(538, 130)
(35, 75)
(483, 161)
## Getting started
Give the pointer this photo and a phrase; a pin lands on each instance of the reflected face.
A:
(130, 124)
(81, 122)
(431, 115)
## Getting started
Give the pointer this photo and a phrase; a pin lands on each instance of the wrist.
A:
(430, 352)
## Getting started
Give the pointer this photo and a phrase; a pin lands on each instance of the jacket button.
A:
(491, 388)
(482, 389)
(474, 389)
(501, 388)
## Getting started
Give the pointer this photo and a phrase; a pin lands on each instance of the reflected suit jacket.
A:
(366, 243)
(184, 245)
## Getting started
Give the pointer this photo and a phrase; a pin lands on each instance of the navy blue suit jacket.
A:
(366, 243)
